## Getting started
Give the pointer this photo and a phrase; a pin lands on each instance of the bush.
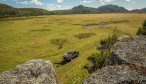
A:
(142, 30)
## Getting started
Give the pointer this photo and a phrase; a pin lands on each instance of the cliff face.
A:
(32, 72)
(125, 65)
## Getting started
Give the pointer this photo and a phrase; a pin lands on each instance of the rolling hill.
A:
(9, 11)
(143, 10)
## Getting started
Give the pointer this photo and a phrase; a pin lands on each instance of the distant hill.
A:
(111, 8)
(4, 6)
(9, 11)
(139, 10)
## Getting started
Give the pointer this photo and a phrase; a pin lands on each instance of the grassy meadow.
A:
(49, 37)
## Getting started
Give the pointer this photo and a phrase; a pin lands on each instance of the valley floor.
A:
(49, 37)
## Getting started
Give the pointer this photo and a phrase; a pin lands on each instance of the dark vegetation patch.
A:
(103, 24)
(59, 42)
(97, 60)
(40, 30)
(84, 35)
(76, 24)
(142, 30)
(39, 23)
(46, 26)
(15, 19)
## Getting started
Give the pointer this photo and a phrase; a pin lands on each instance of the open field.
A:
(49, 37)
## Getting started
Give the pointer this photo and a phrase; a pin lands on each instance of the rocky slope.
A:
(32, 72)
(125, 65)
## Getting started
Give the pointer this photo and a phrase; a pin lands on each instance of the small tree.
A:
(142, 30)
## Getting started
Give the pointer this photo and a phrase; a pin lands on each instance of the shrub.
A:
(142, 30)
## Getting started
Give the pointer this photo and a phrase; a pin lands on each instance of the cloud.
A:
(108, 1)
(60, 1)
(57, 7)
(130, 1)
(35, 2)
(105, 1)
(86, 1)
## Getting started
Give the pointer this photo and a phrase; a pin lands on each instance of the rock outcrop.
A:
(125, 65)
(32, 72)
(131, 52)
(116, 75)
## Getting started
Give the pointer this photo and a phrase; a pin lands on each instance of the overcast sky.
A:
(68, 4)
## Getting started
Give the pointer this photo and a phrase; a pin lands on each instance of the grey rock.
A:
(31, 72)
(121, 74)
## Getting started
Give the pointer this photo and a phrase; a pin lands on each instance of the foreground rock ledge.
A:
(116, 75)
(125, 65)
(32, 72)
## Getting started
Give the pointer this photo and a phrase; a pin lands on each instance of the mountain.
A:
(111, 8)
(9, 11)
(143, 10)
(89, 10)
(77, 10)
(83, 9)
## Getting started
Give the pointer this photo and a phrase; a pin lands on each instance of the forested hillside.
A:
(9, 11)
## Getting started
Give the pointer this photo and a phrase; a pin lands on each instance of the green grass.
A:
(39, 38)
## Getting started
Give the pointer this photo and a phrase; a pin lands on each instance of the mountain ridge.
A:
(10, 11)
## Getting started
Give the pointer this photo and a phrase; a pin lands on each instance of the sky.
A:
(68, 4)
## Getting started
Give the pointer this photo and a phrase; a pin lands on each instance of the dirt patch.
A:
(103, 24)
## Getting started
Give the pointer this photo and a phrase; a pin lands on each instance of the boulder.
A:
(31, 72)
